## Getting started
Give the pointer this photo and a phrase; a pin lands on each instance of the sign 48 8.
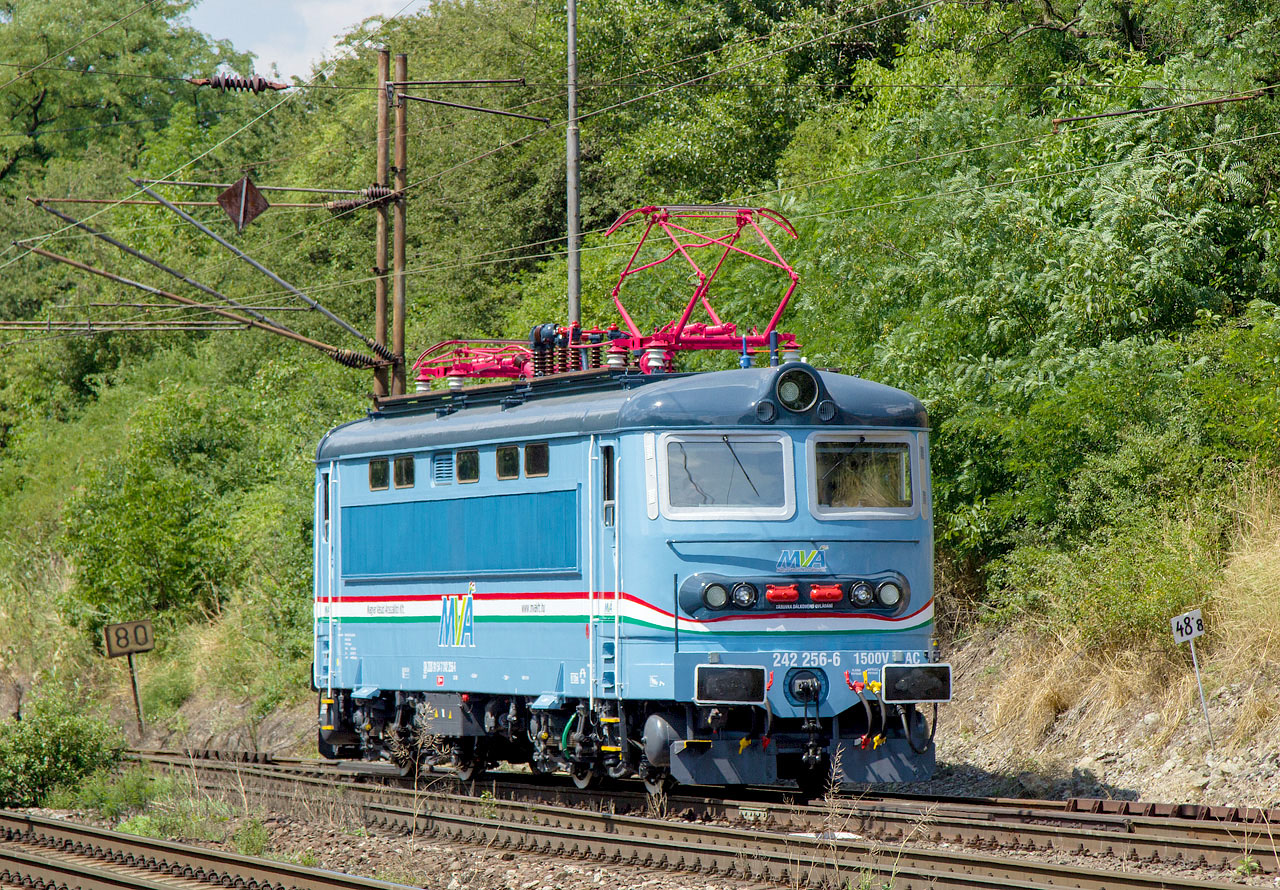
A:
(1187, 626)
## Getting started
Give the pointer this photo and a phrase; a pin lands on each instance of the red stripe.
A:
(582, 595)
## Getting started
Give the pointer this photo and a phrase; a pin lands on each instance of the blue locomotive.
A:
(710, 578)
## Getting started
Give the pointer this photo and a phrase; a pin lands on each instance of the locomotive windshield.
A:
(852, 475)
(726, 471)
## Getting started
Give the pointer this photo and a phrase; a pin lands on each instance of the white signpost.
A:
(1186, 627)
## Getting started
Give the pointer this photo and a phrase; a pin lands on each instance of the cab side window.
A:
(404, 472)
(508, 461)
(467, 466)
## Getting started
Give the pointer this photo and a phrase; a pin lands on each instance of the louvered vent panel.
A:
(442, 468)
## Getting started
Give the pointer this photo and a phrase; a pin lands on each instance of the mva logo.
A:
(803, 560)
(457, 621)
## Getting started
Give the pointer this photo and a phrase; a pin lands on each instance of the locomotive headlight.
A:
(862, 593)
(889, 594)
(716, 596)
(744, 595)
(797, 389)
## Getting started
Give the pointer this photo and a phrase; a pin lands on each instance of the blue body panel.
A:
(468, 537)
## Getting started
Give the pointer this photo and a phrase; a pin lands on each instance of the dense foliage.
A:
(56, 742)
(1087, 308)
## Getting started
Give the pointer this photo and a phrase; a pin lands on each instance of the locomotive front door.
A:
(604, 588)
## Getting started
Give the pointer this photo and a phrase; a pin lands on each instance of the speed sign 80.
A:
(129, 637)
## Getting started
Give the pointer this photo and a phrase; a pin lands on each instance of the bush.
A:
(143, 542)
(1119, 591)
(180, 814)
(113, 794)
(251, 838)
(54, 743)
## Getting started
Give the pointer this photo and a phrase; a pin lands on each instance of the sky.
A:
(291, 33)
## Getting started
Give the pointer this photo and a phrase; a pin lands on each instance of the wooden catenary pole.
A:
(398, 246)
(380, 245)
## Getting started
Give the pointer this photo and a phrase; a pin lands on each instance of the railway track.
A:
(52, 854)
(911, 843)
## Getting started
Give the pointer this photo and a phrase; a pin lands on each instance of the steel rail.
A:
(985, 822)
(825, 843)
(30, 870)
(71, 847)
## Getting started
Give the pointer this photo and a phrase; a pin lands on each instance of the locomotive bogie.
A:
(633, 576)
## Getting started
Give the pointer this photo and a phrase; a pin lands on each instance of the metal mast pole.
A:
(572, 181)
(397, 249)
(380, 244)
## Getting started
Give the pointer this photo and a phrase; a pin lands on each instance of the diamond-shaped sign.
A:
(243, 203)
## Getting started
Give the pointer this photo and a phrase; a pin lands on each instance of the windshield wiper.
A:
(729, 445)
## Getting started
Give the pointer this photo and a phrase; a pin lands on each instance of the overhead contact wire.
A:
(220, 142)
(21, 74)
(381, 350)
(343, 355)
(185, 279)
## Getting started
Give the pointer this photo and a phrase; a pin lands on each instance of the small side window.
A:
(608, 495)
(404, 471)
(467, 464)
(379, 474)
(537, 459)
(324, 485)
(508, 460)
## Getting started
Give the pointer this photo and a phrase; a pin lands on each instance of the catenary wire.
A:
(479, 259)
(781, 190)
(696, 80)
(216, 145)
(62, 52)
(791, 188)
(528, 136)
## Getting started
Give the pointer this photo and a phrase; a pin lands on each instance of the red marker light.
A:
(465, 698)
(782, 593)
(826, 593)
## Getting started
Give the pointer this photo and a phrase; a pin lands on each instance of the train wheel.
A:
(468, 772)
(468, 763)
(538, 768)
(658, 783)
(584, 777)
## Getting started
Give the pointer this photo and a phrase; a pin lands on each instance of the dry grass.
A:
(1247, 643)
(1051, 683)
(1048, 677)
(1250, 606)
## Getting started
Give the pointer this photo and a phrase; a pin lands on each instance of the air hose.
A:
(906, 728)
(866, 706)
(564, 736)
